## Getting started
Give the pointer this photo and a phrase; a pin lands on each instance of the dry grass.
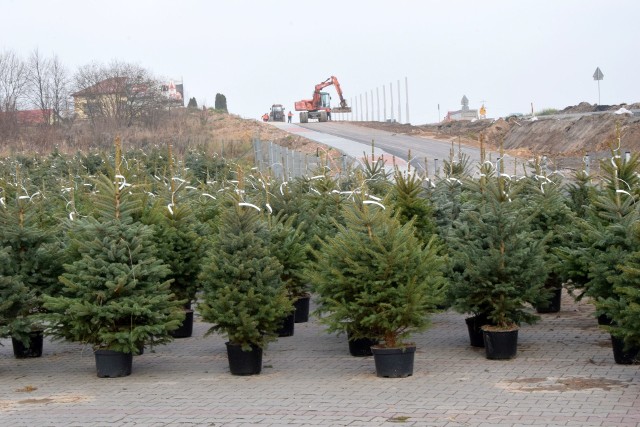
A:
(226, 135)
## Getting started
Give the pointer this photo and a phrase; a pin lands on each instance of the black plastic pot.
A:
(622, 357)
(288, 326)
(553, 305)
(394, 362)
(113, 364)
(361, 347)
(244, 362)
(302, 309)
(474, 325)
(186, 329)
(604, 320)
(20, 351)
(500, 345)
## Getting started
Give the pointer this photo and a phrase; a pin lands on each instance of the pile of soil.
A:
(564, 137)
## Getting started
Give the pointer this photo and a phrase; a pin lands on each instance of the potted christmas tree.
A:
(181, 244)
(550, 217)
(115, 295)
(608, 254)
(376, 278)
(30, 264)
(497, 266)
(243, 294)
(289, 248)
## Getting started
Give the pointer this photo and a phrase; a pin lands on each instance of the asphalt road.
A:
(402, 146)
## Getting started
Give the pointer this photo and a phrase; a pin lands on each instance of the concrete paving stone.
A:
(310, 379)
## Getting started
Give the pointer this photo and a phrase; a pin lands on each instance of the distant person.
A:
(289, 116)
(328, 114)
(265, 117)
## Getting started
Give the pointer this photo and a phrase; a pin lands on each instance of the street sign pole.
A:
(598, 76)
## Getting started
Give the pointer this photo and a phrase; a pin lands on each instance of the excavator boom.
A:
(319, 106)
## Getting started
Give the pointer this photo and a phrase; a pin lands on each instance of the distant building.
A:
(108, 96)
(29, 117)
(464, 114)
(104, 96)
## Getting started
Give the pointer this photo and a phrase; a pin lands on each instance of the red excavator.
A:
(320, 106)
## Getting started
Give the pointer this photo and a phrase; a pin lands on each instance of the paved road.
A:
(564, 375)
(400, 145)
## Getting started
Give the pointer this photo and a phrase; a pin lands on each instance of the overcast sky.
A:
(507, 53)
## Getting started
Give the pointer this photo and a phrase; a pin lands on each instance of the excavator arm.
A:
(333, 80)
(314, 108)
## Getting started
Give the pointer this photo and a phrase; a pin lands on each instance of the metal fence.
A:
(282, 162)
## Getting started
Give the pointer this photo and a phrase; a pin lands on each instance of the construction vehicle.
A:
(319, 107)
(277, 113)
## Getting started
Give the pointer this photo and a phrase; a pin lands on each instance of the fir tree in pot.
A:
(30, 263)
(498, 265)
(550, 217)
(115, 295)
(243, 294)
(181, 244)
(609, 252)
(289, 248)
(376, 277)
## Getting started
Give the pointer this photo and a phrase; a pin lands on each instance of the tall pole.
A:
(366, 105)
(399, 104)
(391, 98)
(384, 102)
(378, 102)
(360, 107)
(372, 107)
(406, 97)
(355, 110)
(351, 113)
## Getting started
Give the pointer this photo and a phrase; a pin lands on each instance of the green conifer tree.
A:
(497, 261)
(375, 278)
(243, 293)
(409, 200)
(31, 261)
(221, 103)
(115, 294)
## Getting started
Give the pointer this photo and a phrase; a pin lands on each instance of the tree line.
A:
(43, 86)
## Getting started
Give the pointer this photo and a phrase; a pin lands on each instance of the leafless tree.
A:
(13, 80)
(60, 89)
(48, 87)
(120, 92)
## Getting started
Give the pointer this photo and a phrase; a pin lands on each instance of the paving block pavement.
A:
(563, 375)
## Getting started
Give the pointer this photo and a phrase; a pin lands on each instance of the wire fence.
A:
(282, 162)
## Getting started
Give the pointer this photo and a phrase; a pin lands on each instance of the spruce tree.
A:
(497, 262)
(178, 236)
(115, 293)
(192, 103)
(550, 218)
(31, 260)
(409, 200)
(375, 278)
(243, 293)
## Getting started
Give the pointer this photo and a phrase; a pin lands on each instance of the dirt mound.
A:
(565, 137)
